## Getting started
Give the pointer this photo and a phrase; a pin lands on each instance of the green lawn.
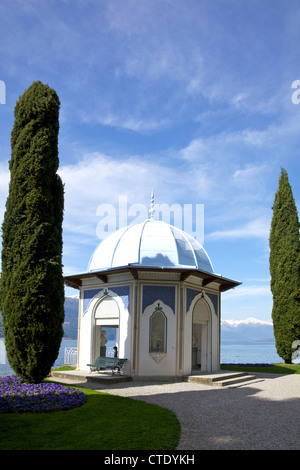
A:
(280, 368)
(104, 422)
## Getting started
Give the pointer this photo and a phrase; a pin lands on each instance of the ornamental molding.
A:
(158, 276)
(157, 357)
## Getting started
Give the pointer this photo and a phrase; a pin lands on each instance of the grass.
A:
(279, 368)
(64, 367)
(104, 422)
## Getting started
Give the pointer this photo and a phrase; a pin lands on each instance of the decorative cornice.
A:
(207, 278)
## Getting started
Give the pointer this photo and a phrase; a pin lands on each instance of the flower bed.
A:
(17, 396)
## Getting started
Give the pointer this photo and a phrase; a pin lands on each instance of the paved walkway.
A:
(262, 415)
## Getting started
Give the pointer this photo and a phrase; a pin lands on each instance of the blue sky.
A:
(191, 98)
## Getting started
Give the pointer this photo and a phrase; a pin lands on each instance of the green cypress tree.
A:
(32, 287)
(285, 269)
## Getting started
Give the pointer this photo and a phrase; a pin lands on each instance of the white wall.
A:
(213, 337)
(157, 364)
(88, 350)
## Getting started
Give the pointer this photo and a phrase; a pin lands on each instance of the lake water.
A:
(231, 352)
(249, 352)
(5, 368)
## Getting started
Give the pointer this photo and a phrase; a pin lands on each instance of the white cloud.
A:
(248, 291)
(125, 121)
(97, 179)
(226, 145)
(250, 182)
(242, 176)
(225, 189)
(258, 228)
(151, 48)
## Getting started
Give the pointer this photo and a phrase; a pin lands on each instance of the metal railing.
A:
(110, 352)
(70, 356)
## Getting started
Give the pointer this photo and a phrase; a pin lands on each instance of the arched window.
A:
(107, 312)
(158, 332)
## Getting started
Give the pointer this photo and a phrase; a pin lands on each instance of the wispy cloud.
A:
(248, 291)
(259, 228)
(99, 178)
(125, 121)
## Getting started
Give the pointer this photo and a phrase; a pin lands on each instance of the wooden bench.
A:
(113, 363)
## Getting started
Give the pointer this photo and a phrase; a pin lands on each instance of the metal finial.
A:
(152, 210)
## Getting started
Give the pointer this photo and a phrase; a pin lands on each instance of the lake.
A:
(231, 352)
(5, 368)
(253, 352)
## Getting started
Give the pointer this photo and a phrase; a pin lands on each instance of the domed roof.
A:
(152, 243)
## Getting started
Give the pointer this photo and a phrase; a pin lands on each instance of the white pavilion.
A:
(156, 286)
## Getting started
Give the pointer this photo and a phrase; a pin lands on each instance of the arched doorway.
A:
(201, 336)
(107, 316)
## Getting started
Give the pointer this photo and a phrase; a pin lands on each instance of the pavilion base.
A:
(81, 376)
(217, 379)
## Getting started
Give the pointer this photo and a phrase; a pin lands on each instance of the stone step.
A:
(84, 377)
(247, 382)
(220, 379)
(108, 379)
(212, 378)
(242, 380)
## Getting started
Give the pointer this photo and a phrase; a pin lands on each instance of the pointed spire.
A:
(152, 210)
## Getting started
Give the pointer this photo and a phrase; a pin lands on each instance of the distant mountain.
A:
(70, 325)
(251, 329)
(71, 318)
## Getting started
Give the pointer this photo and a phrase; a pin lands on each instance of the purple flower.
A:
(17, 396)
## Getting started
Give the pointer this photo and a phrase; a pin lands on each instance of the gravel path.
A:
(263, 415)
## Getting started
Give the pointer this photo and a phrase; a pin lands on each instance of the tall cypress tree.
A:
(32, 287)
(285, 269)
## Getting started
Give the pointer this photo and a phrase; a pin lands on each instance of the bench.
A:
(113, 363)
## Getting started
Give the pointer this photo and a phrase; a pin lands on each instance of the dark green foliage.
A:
(32, 288)
(285, 269)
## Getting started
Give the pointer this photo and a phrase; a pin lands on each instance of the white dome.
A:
(152, 243)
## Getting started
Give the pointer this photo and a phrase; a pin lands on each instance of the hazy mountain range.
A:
(71, 318)
(231, 330)
(251, 329)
